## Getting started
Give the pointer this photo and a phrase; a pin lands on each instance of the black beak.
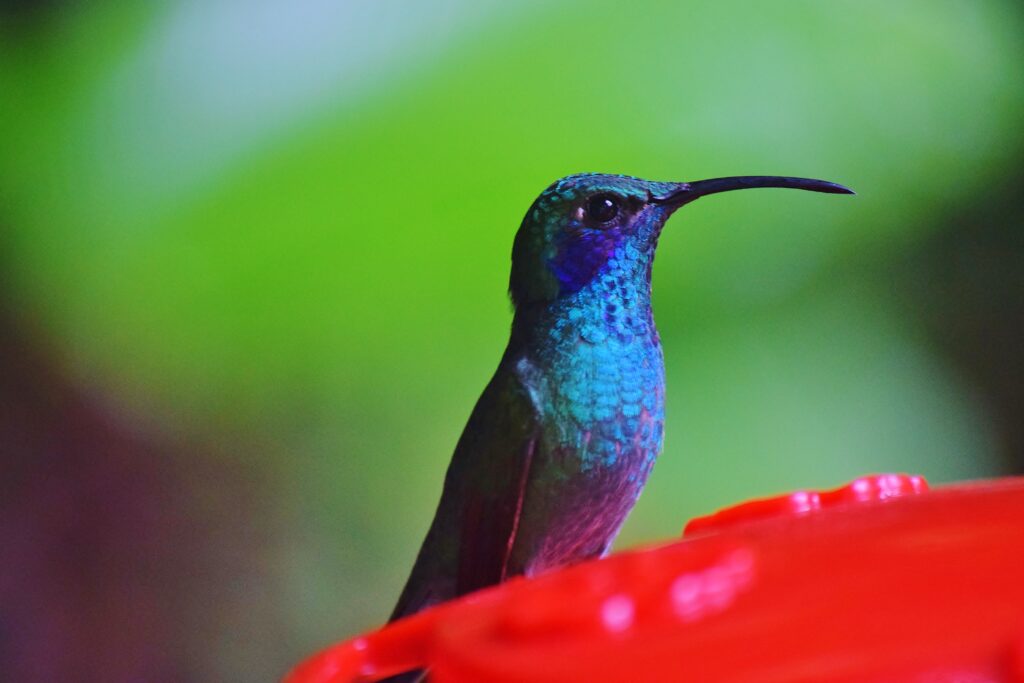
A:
(684, 193)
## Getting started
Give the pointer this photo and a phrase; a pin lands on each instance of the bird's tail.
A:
(424, 589)
(409, 603)
(416, 676)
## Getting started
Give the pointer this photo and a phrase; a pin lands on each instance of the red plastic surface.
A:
(866, 583)
(870, 489)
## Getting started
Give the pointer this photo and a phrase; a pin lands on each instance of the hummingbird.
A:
(563, 438)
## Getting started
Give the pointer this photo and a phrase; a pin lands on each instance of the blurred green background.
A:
(253, 260)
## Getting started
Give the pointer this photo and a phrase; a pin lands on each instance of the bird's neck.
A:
(615, 309)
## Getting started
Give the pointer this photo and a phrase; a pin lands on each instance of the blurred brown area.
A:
(965, 285)
(109, 548)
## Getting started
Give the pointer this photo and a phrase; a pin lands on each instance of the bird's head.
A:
(588, 224)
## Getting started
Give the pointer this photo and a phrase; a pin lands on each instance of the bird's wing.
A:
(470, 539)
(495, 454)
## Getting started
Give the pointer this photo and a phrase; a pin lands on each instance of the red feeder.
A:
(881, 580)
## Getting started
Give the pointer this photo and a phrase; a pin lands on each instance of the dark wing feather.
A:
(474, 529)
(492, 465)
(492, 508)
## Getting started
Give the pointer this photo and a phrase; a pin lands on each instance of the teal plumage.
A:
(561, 443)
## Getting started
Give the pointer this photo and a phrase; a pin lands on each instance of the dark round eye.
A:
(602, 208)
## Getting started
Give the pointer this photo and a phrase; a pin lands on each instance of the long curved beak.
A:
(684, 193)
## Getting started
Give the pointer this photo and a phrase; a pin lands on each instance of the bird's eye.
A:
(602, 208)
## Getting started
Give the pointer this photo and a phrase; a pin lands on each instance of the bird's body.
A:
(555, 453)
(561, 443)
